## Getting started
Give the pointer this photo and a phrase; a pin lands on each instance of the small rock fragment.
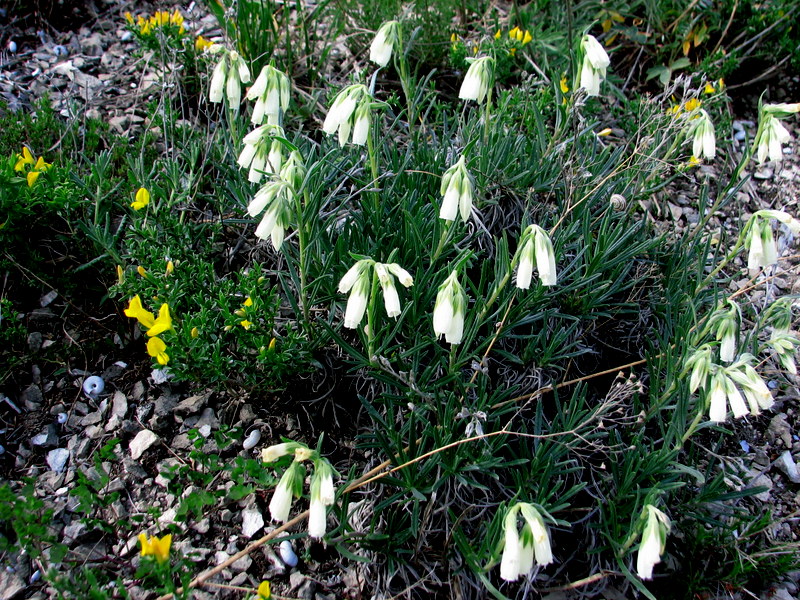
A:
(143, 440)
(57, 459)
(252, 522)
(787, 465)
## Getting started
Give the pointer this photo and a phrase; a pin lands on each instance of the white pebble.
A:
(61, 418)
(12, 46)
(287, 553)
(37, 575)
(93, 386)
(252, 439)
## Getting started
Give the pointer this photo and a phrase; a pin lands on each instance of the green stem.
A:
(733, 252)
(405, 82)
(372, 318)
(373, 165)
(692, 428)
(302, 245)
(487, 116)
(442, 239)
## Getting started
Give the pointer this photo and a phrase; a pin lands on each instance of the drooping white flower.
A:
(700, 364)
(510, 561)
(357, 282)
(449, 310)
(702, 130)
(594, 65)
(457, 190)
(403, 276)
(380, 52)
(535, 245)
(755, 390)
(273, 453)
(322, 496)
(763, 251)
(654, 537)
(478, 80)
(726, 324)
(541, 538)
(519, 551)
(271, 93)
(784, 344)
(350, 112)
(525, 265)
(288, 487)
(261, 152)
(277, 197)
(770, 139)
(230, 72)
(545, 256)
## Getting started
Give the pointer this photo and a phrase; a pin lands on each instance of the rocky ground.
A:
(56, 423)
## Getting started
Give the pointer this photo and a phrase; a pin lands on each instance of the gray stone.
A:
(35, 340)
(47, 438)
(165, 405)
(119, 405)
(57, 459)
(11, 585)
(252, 522)
(192, 404)
(143, 440)
(779, 428)
(31, 397)
(787, 465)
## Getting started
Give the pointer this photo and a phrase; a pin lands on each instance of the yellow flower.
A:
(248, 301)
(246, 324)
(120, 275)
(693, 104)
(32, 177)
(157, 547)
(142, 199)
(136, 311)
(513, 33)
(41, 165)
(497, 35)
(693, 162)
(563, 85)
(162, 323)
(512, 51)
(453, 38)
(129, 18)
(527, 37)
(263, 591)
(170, 267)
(157, 349)
(141, 271)
(195, 332)
(709, 89)
(271, 346)
(26, 158)
(176, 18)
(605, 132)
(201, 43)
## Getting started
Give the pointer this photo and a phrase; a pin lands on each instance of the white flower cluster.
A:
(290, 485)
(229, 74)
(358, 282)
(594, 65)
(350, 113)
(520, 549)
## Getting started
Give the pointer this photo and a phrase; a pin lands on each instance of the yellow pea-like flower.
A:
(155, 546)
